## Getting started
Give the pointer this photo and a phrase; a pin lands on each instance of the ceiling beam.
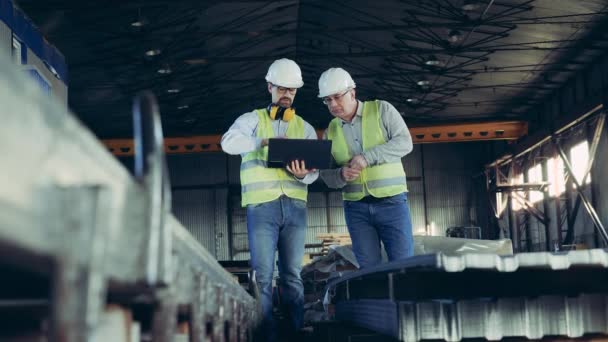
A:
(501, 130)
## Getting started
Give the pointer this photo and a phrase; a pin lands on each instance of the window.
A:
(535, 175)
(579, 158)
(499, 206)
(16, 50)
(555, 168)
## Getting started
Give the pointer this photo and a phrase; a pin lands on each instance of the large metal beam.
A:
(545, 173)
(530, 208)
(502, 130)
(544, 137)
(597, 222)
(592, 153)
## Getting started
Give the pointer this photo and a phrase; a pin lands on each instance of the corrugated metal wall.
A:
(222, 237)
(200, 198)
(240, 244)
(204, 213)
(598, 79)
(207, 196)
(198, 169)
(412, 163)
(448, 177)
(600, 169)
(317, 217)
(337, 223)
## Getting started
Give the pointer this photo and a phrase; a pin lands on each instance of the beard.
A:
(284, 102)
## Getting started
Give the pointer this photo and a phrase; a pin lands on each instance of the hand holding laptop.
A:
(298, 168)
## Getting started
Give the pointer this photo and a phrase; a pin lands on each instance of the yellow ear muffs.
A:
(280, 113)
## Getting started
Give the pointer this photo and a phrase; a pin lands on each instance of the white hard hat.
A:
(334, 81)
(285, 73)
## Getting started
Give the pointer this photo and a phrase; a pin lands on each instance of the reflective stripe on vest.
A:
(380, 180)
(261, 184)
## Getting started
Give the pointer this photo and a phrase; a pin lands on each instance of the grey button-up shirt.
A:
(396, 134)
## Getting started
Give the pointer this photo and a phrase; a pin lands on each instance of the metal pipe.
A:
(152, 173)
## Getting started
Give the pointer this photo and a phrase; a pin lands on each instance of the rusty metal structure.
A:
(498, 130)
(501, 178)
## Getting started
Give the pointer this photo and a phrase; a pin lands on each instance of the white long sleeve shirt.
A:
(241, 138)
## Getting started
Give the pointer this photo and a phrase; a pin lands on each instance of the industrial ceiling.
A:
(437, 61)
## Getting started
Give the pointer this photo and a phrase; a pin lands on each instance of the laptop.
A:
(315, 153)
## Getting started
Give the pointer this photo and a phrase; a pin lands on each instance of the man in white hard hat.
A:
(368, 141)
(275, 198)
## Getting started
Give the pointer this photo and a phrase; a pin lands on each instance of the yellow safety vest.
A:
(261, 184)
(380, 180)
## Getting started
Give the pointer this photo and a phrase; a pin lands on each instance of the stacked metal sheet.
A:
(451, 298)
(495, 319)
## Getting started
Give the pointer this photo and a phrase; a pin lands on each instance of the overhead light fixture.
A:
(432, 61)
(140, 21)
(454, 36)
(153, 52)
(173, 90)
(470, 5)
(184, 106)
(164, 70)
(423, 83)
(413, 100)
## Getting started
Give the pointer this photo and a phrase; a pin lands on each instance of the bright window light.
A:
(579, 158)
(535, 175)
(499, 207)
(555, 166)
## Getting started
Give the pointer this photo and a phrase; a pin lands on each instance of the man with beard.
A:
(275, 198)
(368, 141)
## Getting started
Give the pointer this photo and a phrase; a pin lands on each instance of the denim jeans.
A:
(279, 224)
(387, 220)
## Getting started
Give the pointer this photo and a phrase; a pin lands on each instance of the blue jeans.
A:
(279, 224)
(387, 220)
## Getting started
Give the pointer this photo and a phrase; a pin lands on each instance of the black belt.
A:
(372, 199)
